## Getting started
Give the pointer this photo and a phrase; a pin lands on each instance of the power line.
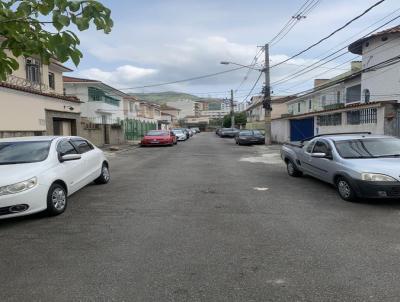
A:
(303, 71)
(331, 34)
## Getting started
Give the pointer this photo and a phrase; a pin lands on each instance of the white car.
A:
(180, 135)
(39, 173)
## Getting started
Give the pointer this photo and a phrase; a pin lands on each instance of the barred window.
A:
(363, 116)
(330, 120)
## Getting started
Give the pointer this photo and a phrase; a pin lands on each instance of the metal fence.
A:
(135, 129)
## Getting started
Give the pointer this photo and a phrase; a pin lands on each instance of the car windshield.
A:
(257, 132)
(369, 148)
(157, 133)
(177, 131)
(23, 152)
(245, 133)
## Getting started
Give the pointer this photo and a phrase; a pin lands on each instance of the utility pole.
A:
(267, 98)
(232, 111)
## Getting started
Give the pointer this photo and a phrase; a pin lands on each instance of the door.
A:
(90, 159)
(73, 170)
(322, 168)
(301, 129)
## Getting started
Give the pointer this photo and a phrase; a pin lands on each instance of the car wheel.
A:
(56, 200)
(292, 170)
(346, 192)
(104, 176)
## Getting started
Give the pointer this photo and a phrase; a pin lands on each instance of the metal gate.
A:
(301, 129)
(135, 129)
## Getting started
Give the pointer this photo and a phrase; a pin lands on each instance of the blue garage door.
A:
(301, 129)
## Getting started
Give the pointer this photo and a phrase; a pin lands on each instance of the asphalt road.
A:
(204, 221)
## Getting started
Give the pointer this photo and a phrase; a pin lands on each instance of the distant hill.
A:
(168, 96)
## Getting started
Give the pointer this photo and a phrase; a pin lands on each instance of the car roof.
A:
(34, 138)
(345, 137)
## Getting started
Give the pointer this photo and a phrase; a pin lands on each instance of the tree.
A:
(240, 119)
(42, 28)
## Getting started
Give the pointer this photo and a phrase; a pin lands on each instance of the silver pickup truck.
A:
(359, 165)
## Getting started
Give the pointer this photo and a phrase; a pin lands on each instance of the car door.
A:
(90, 159)
(305, 157)
(72, 171)
(322, 166)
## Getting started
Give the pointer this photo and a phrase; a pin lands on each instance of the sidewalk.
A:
(121, 147)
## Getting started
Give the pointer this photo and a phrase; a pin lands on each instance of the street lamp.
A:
(241, 65)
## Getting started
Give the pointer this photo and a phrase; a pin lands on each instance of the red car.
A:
(159, 137)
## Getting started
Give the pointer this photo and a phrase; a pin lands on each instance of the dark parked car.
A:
(250, 137)
(229, 132)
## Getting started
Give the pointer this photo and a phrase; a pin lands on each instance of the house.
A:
(101, 103)
(255, 111)
(366, 98)
(131, 106)
(201, 122)
(34, 102)
(187, 107)
(171, 114)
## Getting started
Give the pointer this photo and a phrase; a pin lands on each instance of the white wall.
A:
(26, 111)
(95, 110)
(384, 83)
(280, 130)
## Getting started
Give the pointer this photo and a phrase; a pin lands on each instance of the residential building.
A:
(101, 103)
(363, 99)
(255, 111)
(187, 107)
(131, 107)
(34, 101)
(197, 121)
(171, 110)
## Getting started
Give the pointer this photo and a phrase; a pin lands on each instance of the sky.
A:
(157, 41)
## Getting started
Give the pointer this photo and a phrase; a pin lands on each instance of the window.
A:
(23, 152)
(310, 146)
(309, 104)
(65, 147)
(364, 116)
(338, 97)
(33, 70)
(95, 95)
(353, 94)
(82, 146)
(298, 107)
(367, 95)
(52, 83)
(320, 147)
(323, 100)
(131, 107)
(330, 120)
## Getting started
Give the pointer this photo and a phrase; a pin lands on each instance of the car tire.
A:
(345, 190)
(292, 169)
(104, 176)
(56, 200)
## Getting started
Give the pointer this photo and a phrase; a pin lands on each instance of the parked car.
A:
(196, 129)
(184, 130)
(159, 138)
(40, 173)
(229, 132)
(358, 165)
(191, 133)
(249, 137)
(218, 131)
(180, 135)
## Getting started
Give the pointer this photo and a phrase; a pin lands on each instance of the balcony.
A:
(97, 95)
(21, 82)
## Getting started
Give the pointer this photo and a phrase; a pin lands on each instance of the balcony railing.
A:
(21, 82)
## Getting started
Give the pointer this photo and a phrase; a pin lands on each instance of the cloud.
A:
(119, 77)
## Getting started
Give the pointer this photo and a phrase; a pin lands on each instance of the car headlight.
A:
(18, 187)
(376, 177)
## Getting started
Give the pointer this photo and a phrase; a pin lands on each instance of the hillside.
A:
(163, 97)
(168, 96)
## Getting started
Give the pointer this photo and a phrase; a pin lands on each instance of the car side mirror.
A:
(69, 157)
(319, 155)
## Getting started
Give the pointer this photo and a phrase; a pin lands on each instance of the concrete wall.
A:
(23, 111)
(383, 83)
(280, 130)
(377, 128)
(95, 134)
